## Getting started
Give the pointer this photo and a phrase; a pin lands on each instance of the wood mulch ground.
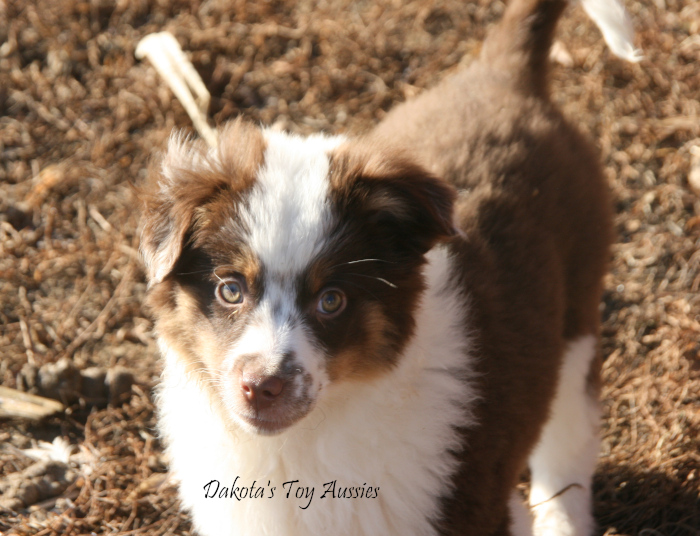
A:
(80, 118)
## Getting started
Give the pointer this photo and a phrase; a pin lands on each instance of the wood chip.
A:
(16, 404)
(694, 175)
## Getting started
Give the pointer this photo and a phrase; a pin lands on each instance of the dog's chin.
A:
(265, 427)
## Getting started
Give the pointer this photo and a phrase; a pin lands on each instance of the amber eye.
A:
(230, 292)
(331, 302)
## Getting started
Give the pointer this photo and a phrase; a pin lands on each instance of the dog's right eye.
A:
(230, 292)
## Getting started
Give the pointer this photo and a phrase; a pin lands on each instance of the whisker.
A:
(207, 270)
(224, 267)
(214, 379)
(212, 384)
(217, 375)
(363, 260)
(214, 373)
(377, 278)
(195, 272)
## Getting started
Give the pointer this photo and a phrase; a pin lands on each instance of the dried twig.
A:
(171, 63)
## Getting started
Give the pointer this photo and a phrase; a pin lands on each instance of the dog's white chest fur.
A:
(390, 437)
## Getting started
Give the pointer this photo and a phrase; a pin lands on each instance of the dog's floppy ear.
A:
(390, 191)
(178, 183)
(184, 182)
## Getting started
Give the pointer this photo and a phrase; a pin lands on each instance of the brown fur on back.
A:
(534, 207)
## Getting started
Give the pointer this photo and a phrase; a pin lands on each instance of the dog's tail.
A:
(520, 43)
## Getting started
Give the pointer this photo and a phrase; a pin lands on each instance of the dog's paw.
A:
(563, 516)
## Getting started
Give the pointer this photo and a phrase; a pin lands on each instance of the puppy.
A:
(376, 336)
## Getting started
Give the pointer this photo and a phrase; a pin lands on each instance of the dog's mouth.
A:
(268, 426)
(271, 420)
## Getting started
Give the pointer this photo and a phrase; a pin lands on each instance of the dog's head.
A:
(280, 265)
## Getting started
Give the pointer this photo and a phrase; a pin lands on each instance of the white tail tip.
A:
(614, 23)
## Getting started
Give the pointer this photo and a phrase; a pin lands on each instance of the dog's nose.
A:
(261, 391)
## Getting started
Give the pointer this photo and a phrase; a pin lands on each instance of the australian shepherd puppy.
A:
(376, 336)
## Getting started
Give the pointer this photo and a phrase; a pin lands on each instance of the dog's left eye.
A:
(230, 292)
(331, 302)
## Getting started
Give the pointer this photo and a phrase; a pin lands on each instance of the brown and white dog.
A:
(376, 336)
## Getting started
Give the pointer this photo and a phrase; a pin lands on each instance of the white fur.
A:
(288, 212)
(393, 433)
(614, 23)
(567, 451)
(520, 518)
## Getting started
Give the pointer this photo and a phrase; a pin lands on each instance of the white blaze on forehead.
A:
(288, 212)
